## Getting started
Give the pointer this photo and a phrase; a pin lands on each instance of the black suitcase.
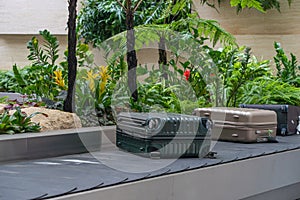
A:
(163, 135)
(287, 117)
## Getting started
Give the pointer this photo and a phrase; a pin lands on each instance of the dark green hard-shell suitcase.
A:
(164, 135)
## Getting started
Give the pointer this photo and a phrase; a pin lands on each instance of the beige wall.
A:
(21, 19)
(30, 16)
(258, 30)
(13, 50)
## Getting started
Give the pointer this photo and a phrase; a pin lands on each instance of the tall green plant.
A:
(236, 67)
(287, 69)
(269, 90)
(94, 88)
(45, 55)
(44, 78)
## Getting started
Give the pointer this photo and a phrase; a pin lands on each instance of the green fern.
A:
(241, 4)
(37, 54)
(288, 70)
(205, 28)
(260, 5)
(266, 90)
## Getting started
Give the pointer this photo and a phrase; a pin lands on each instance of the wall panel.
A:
(259, 30)
(21, 19)
(13, 49)
(30, 16)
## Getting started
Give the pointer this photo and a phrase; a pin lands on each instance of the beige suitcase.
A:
(241, 124)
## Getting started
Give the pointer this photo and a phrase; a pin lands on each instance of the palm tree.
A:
(167, 15)
(69, 105)
(130, 43)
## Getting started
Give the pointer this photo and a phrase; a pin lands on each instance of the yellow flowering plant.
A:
(91, 76)
(43, 79)
(104, 76)
(59, 80)
(103, 94)
(94, 91)
(97, 77)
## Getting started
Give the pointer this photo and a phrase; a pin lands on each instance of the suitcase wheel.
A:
(204, 151)
(283, 131)
(142, 149)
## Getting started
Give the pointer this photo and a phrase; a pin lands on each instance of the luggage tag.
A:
(267, 138)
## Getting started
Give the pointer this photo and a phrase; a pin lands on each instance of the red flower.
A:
(187, 74)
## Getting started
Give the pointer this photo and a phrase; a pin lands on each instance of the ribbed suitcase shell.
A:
(168, 124)
(287, 117)
(174, 135)
(241, 124)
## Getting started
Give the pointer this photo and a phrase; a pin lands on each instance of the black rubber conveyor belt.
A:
(52, 177)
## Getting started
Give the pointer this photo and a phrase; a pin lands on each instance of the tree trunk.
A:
(162, 52)
(163, 56)
(69, 104)
(131, 53)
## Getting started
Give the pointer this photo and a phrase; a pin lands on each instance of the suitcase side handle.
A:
(206, 114)
(236, 116)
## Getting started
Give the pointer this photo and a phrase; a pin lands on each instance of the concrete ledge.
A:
(52, 143)
(232, 181)
(288, 192)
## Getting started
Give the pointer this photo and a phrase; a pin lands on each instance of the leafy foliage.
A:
(287, 69)
(156, 97)
(157, 94)
(44, 79)
(237, 67)
(241, 4)
(8, 82)
(100, 20)
(3, 99)
(18, 122)
(268, 90)
(199, 27)
(46, 55)
(41, 78)
(270, 4)
(85, 57)
(84, 100)
(249, 81)
(94, 89)
(260, 5)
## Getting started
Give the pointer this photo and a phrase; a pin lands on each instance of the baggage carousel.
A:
(238, 171)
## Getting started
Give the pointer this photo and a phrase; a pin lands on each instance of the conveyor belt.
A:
(52, 177)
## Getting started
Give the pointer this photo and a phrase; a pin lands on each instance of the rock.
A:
(2, 108)
(14, 96)
(56, 119)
